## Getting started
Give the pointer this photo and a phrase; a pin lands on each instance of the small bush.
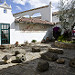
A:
(33, 41)
(61, 38)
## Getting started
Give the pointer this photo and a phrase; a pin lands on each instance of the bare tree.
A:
(66, 13)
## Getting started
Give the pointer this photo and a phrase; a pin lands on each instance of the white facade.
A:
(6, 17)
(21, 36)
(31, 34)
(45, 11)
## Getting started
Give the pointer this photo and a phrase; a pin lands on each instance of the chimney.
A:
(50, 12)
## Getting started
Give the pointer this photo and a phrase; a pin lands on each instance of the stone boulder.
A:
(49, 56)
(16, 53)
(2, 47)
(19, 51)
(56, 50)
(7, 58)
(60, 61)
(35, 49)
(42, 66)
(21, 57)
(72, 63)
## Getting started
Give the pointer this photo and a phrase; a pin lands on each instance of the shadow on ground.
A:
(29, 68)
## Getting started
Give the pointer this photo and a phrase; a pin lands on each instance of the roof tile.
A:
(33, 20)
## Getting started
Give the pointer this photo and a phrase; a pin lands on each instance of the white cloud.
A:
(54, 9)
(37, 3)
(19, 8)
(22, 2)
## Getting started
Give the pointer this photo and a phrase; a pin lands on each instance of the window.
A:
(5, 34)
(5, 26)
(5, 11)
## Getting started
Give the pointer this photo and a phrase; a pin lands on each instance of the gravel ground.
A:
(32, 59)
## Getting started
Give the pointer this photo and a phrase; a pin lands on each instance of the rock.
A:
(21, 57)
(7, 58)
(16, 53)
(72, 63)
(13, 58)
(20, 51)
(49, 56)
(8, 46)
(23, 45)
(60, 61)
(35, 49)
(16, 61)
(13, 46)
(2, 47)
(42, 66)
(56, 50)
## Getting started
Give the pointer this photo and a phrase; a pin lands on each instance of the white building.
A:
(21, 29)
(6, 23)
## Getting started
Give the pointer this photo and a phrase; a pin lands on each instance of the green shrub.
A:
(33, 41)
(61, 38)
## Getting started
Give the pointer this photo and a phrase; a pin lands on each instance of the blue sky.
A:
(23, 5)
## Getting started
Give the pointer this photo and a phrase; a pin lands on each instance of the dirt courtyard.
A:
(32, 59)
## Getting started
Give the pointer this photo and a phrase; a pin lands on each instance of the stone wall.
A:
(64, 45)
(33, 27)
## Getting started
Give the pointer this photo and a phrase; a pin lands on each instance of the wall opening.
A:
(36, 15)
(27, 16)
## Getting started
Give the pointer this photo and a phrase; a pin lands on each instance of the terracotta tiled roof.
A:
(32, 20)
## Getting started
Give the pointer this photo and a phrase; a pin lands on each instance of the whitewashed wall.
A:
(22, 36)
(7, 18)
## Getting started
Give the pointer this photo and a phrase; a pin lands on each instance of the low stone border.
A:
(64, 45)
